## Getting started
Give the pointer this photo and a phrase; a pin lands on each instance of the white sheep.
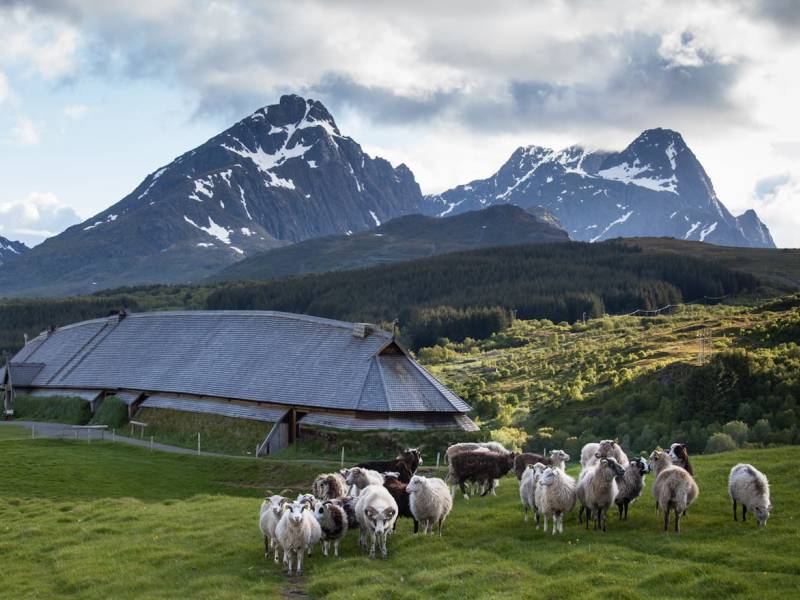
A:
(430, 502)
(749, 487)
(527, 489)
(592, 452)
(332, 520)
(555, 496)
(359, 478)
(597, 489)
(376, 512)
(271, 512)
(674, 489)
(296, 532)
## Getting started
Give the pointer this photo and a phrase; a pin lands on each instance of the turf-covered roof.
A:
(265, 356)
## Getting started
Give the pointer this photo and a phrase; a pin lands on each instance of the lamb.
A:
(296, 532)
(430, 502)
(631, 485)
(329, 486)
(479, 467)
(332, 520)
(674, 489)
(679, 454)
(749, 487)
(527, 489)
(359, 478)
(406, 464)
(597, 489)
(271, 512)
(376, 512)
(557, 459)
(555, 496)
(397, 489)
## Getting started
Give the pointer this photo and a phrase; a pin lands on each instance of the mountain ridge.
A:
(656, 186)
(11, 250)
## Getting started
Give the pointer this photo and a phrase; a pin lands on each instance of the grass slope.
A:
(153, 525)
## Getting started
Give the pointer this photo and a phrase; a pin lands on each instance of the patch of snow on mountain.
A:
(705, 232)
(691, 230)
(246, 231)
(108, 219)
(312, 164)
(226, 175)
(622, 219)
(214, 230)
(156, 175)
(244, 203)
(633, 174)
(673, 214)
(671, 154)
(375, 218)
(205, 245)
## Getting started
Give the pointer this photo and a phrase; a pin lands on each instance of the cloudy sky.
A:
(94, 95)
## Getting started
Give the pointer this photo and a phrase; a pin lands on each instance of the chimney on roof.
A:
(362, 330)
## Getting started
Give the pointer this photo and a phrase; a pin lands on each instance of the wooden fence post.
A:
(198, 443)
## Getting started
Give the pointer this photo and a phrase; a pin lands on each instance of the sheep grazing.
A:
(749, 487)
(557, 459)
(679, 454)
(399, 492)
(630, 485)
(674, 489)
(405, 465)
(296, 533)
(329, 486)
(332, 520)
(527, 489)
(430, 502)
(376, 512)
(597, 489)
(480, 467)
(359, 478)
(555, 496)
(271, 512)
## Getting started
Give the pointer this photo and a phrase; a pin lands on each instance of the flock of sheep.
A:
(372, 495)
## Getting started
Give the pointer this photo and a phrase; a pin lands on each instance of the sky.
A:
(95, 95)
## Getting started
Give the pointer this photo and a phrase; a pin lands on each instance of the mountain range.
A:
(286, 174)
(11, 250)
(654, 187)
(404, 238)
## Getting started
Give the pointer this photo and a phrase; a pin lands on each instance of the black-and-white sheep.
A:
(631, 484)
(332, 520)
(328, 486)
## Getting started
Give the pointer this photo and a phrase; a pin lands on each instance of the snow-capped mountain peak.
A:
(655, 186)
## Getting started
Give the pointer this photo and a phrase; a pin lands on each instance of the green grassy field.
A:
(109, 521)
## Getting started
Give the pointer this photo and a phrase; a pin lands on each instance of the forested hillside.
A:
(715, 377)
(457, 295)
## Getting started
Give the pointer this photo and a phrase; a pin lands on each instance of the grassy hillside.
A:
(646, 380)
(154, 525)
(404, 238)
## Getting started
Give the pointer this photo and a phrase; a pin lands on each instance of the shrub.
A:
(760, 431)
(112, 412)
(720, 442)
(511, 437)
(58, 409)
(737, 430)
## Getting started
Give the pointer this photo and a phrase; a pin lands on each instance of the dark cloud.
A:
(381, 104)
(768, 186)
(783, 13)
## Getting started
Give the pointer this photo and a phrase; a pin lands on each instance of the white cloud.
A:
(36, 217)
(777, 201)
(76, 111)
(25, 132)
(5, 90)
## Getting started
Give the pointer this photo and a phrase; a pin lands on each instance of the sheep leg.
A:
(277, 549)
(744, 513)
(441, 526)
(666, 520)
(463, 490)
(287, 562)
(526, 514)
(735, 516)
(626, 509)
(588, 517)
(383, 545)
(374, 537)
(299, 569)
(416, 525)
(336, 547)
(266, 547)
(324, 548)
(545, 522)
(555, 524)
(677, 521)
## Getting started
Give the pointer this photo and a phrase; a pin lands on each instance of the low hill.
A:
(403, 238)
(778, 268)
